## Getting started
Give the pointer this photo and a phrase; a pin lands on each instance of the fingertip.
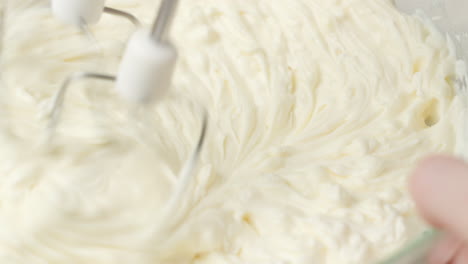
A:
(439, 185)
(424, 180)
(461, 257)
(444, 250)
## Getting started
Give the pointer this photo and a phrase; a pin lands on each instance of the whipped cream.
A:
(318, 112)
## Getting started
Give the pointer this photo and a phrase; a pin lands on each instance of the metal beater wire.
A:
(60, 96)
(164, 19)
(120, 13)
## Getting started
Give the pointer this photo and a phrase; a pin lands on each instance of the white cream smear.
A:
(318, 112)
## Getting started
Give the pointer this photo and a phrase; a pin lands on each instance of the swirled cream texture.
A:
(318, 112)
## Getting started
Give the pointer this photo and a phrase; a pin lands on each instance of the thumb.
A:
(439, 187)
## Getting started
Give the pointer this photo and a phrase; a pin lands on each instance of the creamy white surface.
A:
(318, 111)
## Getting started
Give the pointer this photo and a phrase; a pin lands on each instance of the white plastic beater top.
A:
(76, 12)
(146, 69)
(147, 66)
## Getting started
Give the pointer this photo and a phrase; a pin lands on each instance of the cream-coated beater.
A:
(144, 77)
(145, 72)
(86, 12)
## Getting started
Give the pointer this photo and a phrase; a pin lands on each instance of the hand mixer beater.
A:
(145, 72)
(83, 13)
(144, 77)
